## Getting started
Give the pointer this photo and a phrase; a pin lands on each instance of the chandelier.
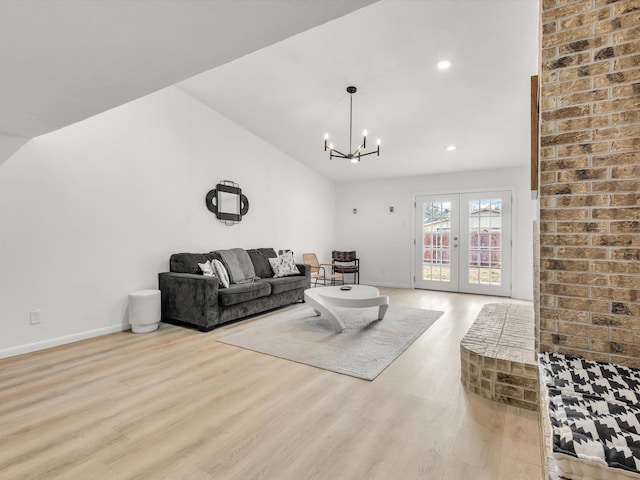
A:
(354, 156)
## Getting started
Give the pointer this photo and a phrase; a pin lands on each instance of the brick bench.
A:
(498, 357)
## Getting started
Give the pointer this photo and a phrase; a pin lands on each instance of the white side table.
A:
(144, 310)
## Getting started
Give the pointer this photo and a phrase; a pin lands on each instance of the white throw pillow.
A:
(221, 273)
(284, 265)
(207, 269)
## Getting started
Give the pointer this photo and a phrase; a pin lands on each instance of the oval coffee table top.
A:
(357, 292)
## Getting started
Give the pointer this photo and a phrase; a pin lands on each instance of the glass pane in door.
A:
(436, 245)
(485, 241)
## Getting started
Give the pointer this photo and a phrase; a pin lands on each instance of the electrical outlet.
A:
(34, 317)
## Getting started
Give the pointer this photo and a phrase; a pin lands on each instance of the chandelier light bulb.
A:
(451, 148)
(444, 64)
(378, 142)
(326, 136)
(331, 146)
(355, 160)
(365, 132)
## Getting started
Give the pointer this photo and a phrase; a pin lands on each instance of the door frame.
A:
(414, 247)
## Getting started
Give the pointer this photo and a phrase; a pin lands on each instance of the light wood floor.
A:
(176, 404)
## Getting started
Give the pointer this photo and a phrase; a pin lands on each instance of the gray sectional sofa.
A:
(190, 298)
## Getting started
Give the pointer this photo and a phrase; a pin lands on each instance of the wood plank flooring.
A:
(176, 404)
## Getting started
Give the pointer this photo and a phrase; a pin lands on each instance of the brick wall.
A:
(590, 179)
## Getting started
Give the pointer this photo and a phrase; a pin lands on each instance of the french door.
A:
(463, 242)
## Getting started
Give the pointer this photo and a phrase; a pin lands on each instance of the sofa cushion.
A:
(285, 284)
(260, 263)
(268, 252)
(187, 262)
(243, 292)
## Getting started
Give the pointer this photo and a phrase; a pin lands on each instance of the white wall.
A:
(93, 211)
(384, 240)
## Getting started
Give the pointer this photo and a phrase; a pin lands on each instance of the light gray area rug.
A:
(364, 348)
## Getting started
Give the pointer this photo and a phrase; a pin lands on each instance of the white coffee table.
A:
(325, 299)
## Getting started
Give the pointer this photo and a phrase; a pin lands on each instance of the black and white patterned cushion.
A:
(207, 269)
(594, 409)
(284, 265)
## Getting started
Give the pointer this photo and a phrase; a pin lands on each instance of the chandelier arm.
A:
(369, 153)
(337, 153)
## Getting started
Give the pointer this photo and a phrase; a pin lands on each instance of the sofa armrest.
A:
(306, 271)
(189, 298)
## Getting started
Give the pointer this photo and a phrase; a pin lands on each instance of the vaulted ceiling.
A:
(293, 92)
(280, 68)
(65, 60)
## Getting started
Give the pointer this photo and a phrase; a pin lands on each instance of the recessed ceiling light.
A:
(451, 148)
(444, 64)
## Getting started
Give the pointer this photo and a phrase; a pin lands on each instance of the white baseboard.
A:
(55, 342)
(390, 285)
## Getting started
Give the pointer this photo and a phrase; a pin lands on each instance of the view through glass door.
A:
(463, 243)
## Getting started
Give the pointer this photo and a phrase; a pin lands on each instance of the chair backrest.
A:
(339, 256)
(312, 260)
